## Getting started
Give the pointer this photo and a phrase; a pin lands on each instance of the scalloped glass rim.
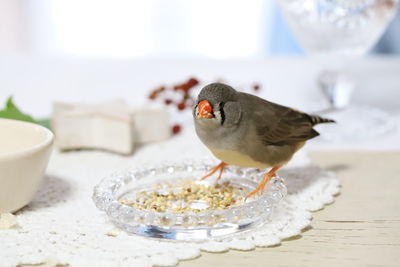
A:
(189, 225)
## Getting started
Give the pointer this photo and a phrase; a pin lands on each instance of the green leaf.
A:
(45, 122)
(11, 111)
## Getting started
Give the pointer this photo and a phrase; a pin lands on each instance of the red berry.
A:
(167, 101)
(181, 106)
(176, 129)
(192, 82)
(153, 95)
(186, 86)
(256, 87)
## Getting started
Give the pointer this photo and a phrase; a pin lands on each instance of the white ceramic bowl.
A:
(24, 153)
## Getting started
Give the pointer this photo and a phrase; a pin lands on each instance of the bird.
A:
(247, 131)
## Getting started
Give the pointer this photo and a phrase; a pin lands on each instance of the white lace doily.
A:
(62, 225)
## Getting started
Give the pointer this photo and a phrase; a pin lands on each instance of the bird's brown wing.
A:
(280, 125)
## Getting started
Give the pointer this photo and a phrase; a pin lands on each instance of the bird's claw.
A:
(219, 167)
(259, 189)
(261, 186)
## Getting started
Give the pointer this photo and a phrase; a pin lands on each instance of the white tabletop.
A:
(36, 82)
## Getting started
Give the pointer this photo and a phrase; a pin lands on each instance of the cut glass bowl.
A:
(203, 224)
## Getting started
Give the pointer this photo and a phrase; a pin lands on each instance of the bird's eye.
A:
(221, 111)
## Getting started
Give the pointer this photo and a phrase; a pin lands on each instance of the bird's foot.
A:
(213, 170)
(268, 176)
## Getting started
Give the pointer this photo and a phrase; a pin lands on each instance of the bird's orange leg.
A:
(219, 167)
(268, 176)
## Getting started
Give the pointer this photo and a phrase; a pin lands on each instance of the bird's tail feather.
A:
(315, 119)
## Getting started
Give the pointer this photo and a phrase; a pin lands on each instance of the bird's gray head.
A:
(216, 93)
(217, 104)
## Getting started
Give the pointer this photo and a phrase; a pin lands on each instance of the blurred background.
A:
(153, 28)
(96, 50)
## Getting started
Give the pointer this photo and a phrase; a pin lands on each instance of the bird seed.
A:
(187, 196)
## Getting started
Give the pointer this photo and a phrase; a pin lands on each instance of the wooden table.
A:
(362, 227)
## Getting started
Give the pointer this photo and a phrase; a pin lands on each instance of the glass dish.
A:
(188, 225)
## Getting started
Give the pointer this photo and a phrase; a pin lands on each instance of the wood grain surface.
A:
(362, 227)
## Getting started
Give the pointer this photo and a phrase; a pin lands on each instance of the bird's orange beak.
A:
(204, 110)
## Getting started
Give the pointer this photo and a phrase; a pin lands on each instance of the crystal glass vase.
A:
(336, 32)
